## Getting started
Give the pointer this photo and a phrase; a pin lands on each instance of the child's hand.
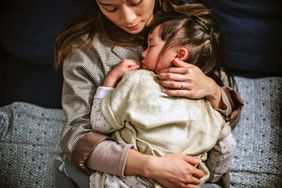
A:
(116, 74)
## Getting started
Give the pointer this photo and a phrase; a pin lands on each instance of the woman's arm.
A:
(83, 145)
(78, 140)
(171, 170)
(196, 85)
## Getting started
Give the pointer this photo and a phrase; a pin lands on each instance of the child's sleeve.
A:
(220, 157)
(97, 119)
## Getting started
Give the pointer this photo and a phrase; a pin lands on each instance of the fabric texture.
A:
(84, 70)
(256, 163)
(252, 31)
(29, 144)
(157, 124)
(98, 180)
(220, 157)
(136, 96)
(258, 157)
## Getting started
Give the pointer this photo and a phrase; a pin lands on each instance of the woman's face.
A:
(130, 15)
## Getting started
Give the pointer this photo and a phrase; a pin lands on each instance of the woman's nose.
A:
(129, 15)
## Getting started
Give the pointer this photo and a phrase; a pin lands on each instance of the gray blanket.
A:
(29, 137)
(29, 143)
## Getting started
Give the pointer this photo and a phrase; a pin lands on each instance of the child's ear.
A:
(182, 53)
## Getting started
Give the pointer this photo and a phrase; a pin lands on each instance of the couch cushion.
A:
(32, 83)
(29, 137)
(258, 161)
(253, 33)
(28, 27)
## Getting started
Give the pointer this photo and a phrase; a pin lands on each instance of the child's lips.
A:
(143, 65)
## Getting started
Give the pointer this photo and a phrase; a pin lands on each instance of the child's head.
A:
(192, 37)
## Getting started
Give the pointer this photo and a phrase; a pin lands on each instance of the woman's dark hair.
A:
(194, 28)
(92, 21)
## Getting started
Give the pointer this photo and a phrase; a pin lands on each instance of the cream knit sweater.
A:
(157, 124)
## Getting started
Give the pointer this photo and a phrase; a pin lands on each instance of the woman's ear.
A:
(182, 53)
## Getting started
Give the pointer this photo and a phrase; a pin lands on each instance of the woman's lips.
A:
(132, 27)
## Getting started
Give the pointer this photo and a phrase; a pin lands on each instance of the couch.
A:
(31, 117)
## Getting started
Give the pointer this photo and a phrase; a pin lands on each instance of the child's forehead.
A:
(155, 33)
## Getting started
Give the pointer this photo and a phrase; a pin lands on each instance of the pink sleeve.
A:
(109, 157)
(226, 109)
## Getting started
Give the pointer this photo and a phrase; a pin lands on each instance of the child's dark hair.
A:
(194, 28)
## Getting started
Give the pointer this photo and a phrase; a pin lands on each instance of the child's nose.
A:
(143, 54)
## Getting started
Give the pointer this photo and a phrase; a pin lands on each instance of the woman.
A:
(83, 48)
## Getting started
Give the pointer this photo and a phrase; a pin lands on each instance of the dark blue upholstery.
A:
(253, 34)
(253, 31)
(27, 34)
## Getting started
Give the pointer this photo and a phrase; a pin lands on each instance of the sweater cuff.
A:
(103, 92)
(226, 105)
(109, 157)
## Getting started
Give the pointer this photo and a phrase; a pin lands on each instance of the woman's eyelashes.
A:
(110, 8)
(135, 2)
(113, 8)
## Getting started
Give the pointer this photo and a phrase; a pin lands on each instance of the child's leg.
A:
(99, 179)
(220, 157)
(97, 119)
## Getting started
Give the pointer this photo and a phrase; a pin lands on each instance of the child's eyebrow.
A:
(150, 39)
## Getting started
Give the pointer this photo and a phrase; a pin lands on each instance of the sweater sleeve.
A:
(78, 140)
(97, 119)
(231, 100)
(115, 155)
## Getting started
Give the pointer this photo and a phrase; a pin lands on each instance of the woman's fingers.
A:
(191, 186)
(198, 173)
(192, 160)
(193, 182)
(179, 63)
(195, 171)
(178, 70)
(173, 76)
(178, 93)
(176, 85)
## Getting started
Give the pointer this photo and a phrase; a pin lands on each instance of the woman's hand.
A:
(171, 170)
(115, 75)
(176, 170)
(187, 80)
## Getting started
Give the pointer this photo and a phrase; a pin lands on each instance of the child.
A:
(137, 112)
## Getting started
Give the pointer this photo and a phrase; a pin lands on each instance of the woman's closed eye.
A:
(110, 8)
(113, 8)
(135, 2)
